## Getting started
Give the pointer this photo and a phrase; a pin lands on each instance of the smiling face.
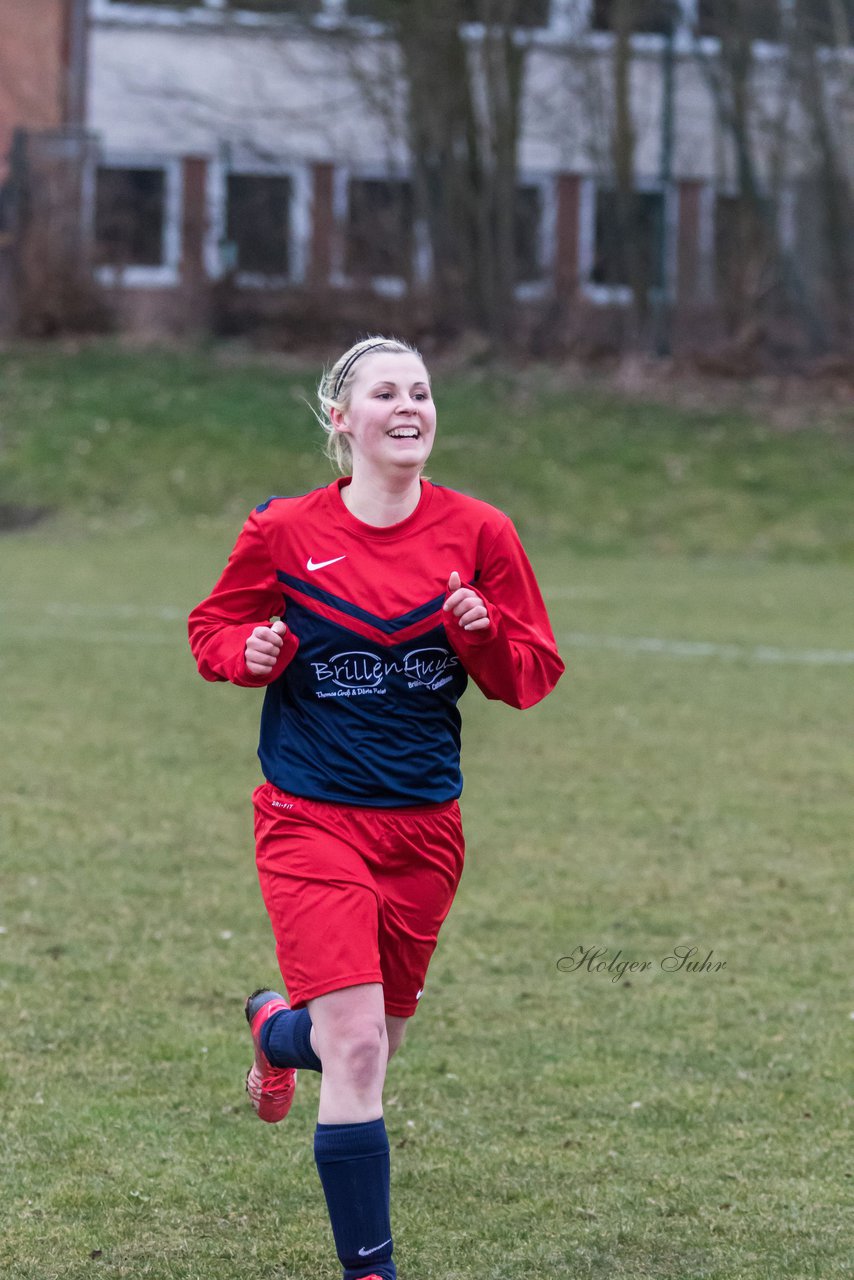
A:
(390, 418)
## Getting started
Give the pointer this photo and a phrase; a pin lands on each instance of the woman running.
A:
(364, 607)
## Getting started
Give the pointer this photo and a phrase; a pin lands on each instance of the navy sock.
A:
(286, 1040)
(353, 1163)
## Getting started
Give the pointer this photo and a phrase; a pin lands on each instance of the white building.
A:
(241, 138)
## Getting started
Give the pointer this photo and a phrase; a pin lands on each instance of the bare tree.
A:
(765, 270)
(437, 87)
(54, 287)
(623, 152)
(812, 29)
(464, 87)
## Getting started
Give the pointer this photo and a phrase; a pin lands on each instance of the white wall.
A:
(193, 90)
(222, 89)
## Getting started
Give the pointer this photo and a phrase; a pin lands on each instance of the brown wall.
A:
(32, 76)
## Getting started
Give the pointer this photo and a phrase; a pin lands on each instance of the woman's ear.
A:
(339, 421)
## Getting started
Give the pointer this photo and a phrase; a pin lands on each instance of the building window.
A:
(212, 8)
(130, 217)
(827, 22)
(744, 235)
(818, 209)
(519, 13)
(380, 237)
(307, 7)
(158, 4)
(528, 234)
(648, 17)
(302, 8)
(758, 20)
(258, 217)
(380, 10)
(627, 240)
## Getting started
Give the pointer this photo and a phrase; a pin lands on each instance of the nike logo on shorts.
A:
(322, 564)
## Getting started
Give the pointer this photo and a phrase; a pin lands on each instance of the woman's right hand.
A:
(263, 648)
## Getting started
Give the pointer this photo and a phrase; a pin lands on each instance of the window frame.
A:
(568, 20)
(522, 34)
(653, 41)
(830, 49)
(784, 206)
(622, 295)
(658, 36)
(685, 40)
(207, 13)
(546, 183)
(332, 14)
(385, 286)
(167, 273)
(299, 220)
(710, 45)
(706, 283)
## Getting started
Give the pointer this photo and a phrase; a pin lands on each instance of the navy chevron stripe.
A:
(264, 505)
(387, 625)
(282, 497)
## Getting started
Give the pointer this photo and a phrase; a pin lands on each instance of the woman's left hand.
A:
(466, 605)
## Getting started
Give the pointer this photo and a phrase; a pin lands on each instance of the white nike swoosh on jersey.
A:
(363, 1253)
(323, 564)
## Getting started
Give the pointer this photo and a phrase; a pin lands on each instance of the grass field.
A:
(689, 784)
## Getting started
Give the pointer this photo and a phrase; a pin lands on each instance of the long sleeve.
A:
(247, 595)
(515, 660)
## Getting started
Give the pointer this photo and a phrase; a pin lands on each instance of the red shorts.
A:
(356, 895)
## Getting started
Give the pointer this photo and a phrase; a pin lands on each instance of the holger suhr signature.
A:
(682, 959)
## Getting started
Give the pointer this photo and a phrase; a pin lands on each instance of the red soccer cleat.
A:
(270, 1089)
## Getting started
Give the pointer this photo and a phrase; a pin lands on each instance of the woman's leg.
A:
(350, 1144)
(395, 1031)
(349, 1036)
(286, 1044)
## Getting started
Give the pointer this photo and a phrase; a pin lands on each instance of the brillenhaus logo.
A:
(358, 672)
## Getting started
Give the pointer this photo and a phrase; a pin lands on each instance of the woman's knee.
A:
(351, 1037)
(358, 1052)
(349, 1027)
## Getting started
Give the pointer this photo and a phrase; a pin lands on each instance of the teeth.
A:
(405, 434)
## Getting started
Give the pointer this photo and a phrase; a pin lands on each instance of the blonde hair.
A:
(333, 392)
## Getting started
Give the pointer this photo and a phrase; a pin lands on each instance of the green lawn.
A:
(544, 1123)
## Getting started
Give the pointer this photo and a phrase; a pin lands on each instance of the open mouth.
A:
(404, 433)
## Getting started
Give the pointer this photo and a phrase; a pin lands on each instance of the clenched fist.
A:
(263, 648)
(466, 605)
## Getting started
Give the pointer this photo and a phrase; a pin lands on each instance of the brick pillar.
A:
(194, 222)
(567, 264)
(322, 225)
(194, 284)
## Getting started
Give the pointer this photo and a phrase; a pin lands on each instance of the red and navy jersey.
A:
(361, 706)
